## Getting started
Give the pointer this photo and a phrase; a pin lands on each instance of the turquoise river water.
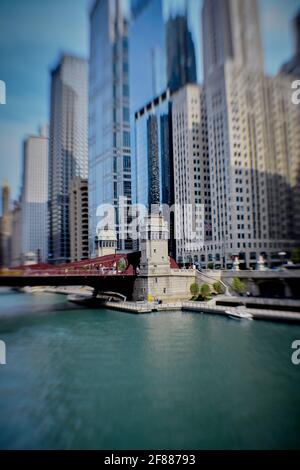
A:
(98, 379)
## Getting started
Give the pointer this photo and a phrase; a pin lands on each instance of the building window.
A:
(125, 90)
(125, 44)
(126, 139)
(126, 114)
(125, 67)
(127, 188)
(127, 162)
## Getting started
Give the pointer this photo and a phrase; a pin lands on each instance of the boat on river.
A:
(92, 301)
(239, 313)
(85, 300)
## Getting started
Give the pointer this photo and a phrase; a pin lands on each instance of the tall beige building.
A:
(245, 165)
(191, 173)
(79, 242)
(284, 161)
(231, 33)
(285, 118)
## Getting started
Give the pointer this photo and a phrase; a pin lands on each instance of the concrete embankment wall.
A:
(170, 287)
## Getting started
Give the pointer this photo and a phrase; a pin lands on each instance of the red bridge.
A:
(109, 273)
(115, 273)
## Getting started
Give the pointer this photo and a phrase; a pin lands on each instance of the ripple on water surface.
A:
(97, 379)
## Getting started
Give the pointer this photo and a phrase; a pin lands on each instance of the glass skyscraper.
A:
(162, 58)
(181, 60)
(154, 179)
(147, 34)
(5, 227)
(162, 52)
(148, 78)
(154, 151)
(292, 67)
(35, 198)
(109, 115)
(67, 149)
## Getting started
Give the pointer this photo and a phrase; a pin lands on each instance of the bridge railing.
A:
(67, 272)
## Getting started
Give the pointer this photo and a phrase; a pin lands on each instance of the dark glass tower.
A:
(162, 60)
(154, 177)
(153, 162)
(147, 53)
(292, 67)
(181, 61)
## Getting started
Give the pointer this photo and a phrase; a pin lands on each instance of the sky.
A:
(33, 33)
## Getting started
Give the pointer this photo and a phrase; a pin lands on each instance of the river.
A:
(98, 379)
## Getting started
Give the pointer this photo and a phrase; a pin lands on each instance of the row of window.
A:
(125, 140)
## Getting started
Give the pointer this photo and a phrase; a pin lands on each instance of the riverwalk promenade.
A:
(202, 307)
(273, 309)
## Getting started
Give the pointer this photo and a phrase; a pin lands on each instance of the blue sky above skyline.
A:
(34, 33)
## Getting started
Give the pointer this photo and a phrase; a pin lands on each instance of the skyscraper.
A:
(147, 35)
(79, 219)
(162, 58)
(5, 227)
(292, 67)
(233, 71)
(109, 117)
(154, 165)
(68, 147)
(153, 174)
(181, 61)
(147, 76)
(191, 174)
(283, 160)
(16, 238)
(5, 198)
(231, 34)
(34, 198)
(243, 174)
(284, 132)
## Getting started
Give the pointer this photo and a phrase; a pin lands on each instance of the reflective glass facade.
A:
(148, 77)
(35, 197)
(68, 147)
(181, 60)
(154, 177)
(162, 57)
(109, 115)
